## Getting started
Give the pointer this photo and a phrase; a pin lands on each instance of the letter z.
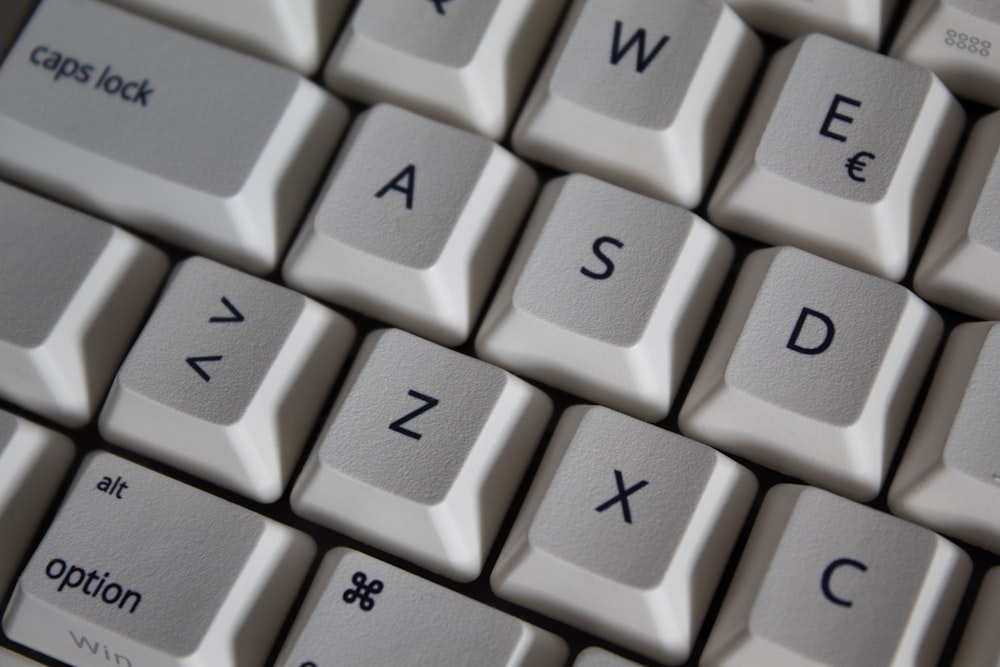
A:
(397, 426)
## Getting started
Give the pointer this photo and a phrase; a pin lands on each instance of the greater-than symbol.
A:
(196, 362)
(856, 164)
(234, 314)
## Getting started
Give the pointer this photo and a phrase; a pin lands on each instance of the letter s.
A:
(609, 266)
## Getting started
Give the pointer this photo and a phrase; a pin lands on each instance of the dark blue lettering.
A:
(832, 115)
(793, 340)
(409, 176)
(638, 39)
(609, 266)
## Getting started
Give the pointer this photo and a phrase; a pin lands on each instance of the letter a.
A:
(642, 61)
(407, 176)
(793, 343)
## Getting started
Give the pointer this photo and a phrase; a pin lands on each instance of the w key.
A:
(180, 138)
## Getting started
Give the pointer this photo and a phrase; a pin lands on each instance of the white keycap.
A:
(825, 581)
(11, 659)
(842, 155)
(861, 22)
(959, 40)
(980, 645)
(960, 267)
(598, 657)
(606, 295)
(196, 144)
(625, 532)
(361, 611)
(73, 293)
(813, 371)
(33, 462)
(654, 114)
(293, 33)
(141, 566)
(949, 479)
(465, 63)
(412, 224)
(227, 379)
(422, 453)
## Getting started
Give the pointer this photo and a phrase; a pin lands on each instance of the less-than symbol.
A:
(234, 314)
(857, 164)
(622, 496)
(196, 362)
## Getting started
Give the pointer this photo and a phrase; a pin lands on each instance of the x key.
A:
(622, 496)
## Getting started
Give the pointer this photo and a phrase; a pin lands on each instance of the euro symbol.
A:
(855, 165)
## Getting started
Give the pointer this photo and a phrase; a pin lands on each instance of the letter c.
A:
(37, 53)
(828, 574)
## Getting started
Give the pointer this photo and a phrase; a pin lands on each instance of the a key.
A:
(412, 224)
(293, 33)
(980, 643)
(825, 581)
(140, 569)
(949, 479)
(198, 145)
(625, 532)
(641, 93)
(861, 22)
(959, 40)
(842, 155)
(465, 62)
(606, 295)
(362, 611)
(11, 659)
(960, 267)
(598, 657)
(33, 462)
(227, 378)
(73, 293)
(813, 370)
(422, 453)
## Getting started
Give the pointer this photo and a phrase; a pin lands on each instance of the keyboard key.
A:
(949, 479)
(606, 295)
(825, 581)
(813, 371)
(653, 116)
(464, 63)
(185, 140)
(981, 643)
(598, 657)
(422, 453)
(227, 379)
(861, 22)
(959, 40)
(625, 532)
(33, 463)
(413, 224)
(293, 33)
(852, 144)
(960, 267)
(11, 659)
(140, 569)
(361, 611)
(74, 291)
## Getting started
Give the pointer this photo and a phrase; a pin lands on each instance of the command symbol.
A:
(363, 591)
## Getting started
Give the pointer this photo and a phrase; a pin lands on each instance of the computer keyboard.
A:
(506, 332)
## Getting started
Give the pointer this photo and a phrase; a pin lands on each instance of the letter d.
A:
(806, 313)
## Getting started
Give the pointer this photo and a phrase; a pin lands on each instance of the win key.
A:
(162, 132)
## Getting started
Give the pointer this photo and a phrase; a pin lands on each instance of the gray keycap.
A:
(362, 611)
(615, 539)
(157, 572)
(606, 295)
(73, 291)
(227, 377)
(201, 145)
(813, 370)
(826, 581)
(422, 452)
(412, 224)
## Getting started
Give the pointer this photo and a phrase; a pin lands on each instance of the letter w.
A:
(642, 61)
(83, 641)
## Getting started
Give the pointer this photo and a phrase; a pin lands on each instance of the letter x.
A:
(622, 496)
